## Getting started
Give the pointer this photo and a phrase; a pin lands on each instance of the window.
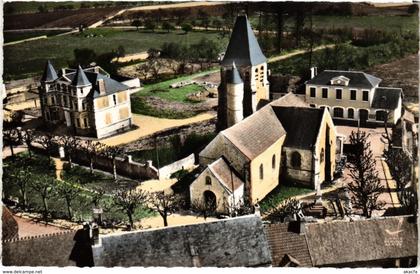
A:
(325, 93)
(273, 161)
(381, 115)
(313, 92)
(338, 112)
(66, 103)
(58, 87)
(350, 113)
(352, 94)
(208, 180)
(296, 159)
(338, 93)
(312, 105)
(261, 172)
(114, 97)
(53, 100)
(48, 115)
(77, 122)
(366, 95)
(83, 106)
(322, 155)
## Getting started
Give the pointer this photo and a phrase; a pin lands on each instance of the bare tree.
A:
(165, 204)
(43, 185)
(70, 144)
(12, 138)
(92, 149)
(47, 141)
(113, 152)
(19, 176)
(128, 199)
(69, 191)
(203, 208)
(28, 136)
(365, 186)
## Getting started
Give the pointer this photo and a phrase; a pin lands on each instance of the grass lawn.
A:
(28, 59)
(16, 36)
(281, 193)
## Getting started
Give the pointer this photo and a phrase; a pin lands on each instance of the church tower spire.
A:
(244, 51)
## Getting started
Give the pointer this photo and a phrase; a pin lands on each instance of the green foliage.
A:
(287, 208)
(167, 26)
(150, 25)
(279, 194)
(186, 27)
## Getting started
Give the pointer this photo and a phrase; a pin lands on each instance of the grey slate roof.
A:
(80, 78)
(301, 124)
(243, 48)
(358, 79)
(256, 133)
(111, 85)
(49, 73)
(233, 76)
(343, 242)
(224, 243)
(386, 98)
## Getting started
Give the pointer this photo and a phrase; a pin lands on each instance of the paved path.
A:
(149, 125)
(297, 52)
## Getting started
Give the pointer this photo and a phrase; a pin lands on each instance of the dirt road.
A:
(148, 125)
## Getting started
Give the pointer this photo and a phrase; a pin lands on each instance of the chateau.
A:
(87, 101)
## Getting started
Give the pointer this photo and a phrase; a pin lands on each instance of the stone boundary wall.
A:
(41, 250)
(186, 163)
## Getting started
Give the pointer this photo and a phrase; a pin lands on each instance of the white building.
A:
(87, 101)
(354, 96)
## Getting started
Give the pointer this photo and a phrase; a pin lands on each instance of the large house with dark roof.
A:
(244, 83)
(354, 97)
(88, 101)
(284, 140)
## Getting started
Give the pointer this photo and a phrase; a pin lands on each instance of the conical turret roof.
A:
(233, 76)
(49, 73)
(243, 48)
(80, 79)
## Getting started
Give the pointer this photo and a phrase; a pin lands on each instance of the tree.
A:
(12, 138)
(113, 152)
(84, 57)
(186, 27)
(120, 52)
(47, 141)
(217, 23)
(167, 26)
(203, 208)
(299, 22)
(70, 145)
(365, 186)
(18, 174)
(150, 25)
(43, 185)
(136, 23)
(28, 136)
(165, 204)
(69, 191)
(128, 199)
(288, 208)
(92, 149)
(153, 53)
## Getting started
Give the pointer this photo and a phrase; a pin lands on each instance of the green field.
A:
(16, 36)
(28, 59)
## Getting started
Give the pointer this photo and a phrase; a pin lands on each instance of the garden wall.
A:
(43, 250)
(186, 163)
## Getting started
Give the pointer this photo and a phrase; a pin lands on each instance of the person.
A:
(82, 250)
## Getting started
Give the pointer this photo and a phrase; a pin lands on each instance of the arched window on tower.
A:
(261, 172)
(273, 161)
(208, 180)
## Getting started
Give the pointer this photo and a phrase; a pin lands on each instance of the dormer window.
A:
(340, 81)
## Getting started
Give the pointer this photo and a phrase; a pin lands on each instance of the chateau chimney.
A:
(314, 72)
(101, 86)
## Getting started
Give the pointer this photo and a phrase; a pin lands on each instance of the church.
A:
(260, 144)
